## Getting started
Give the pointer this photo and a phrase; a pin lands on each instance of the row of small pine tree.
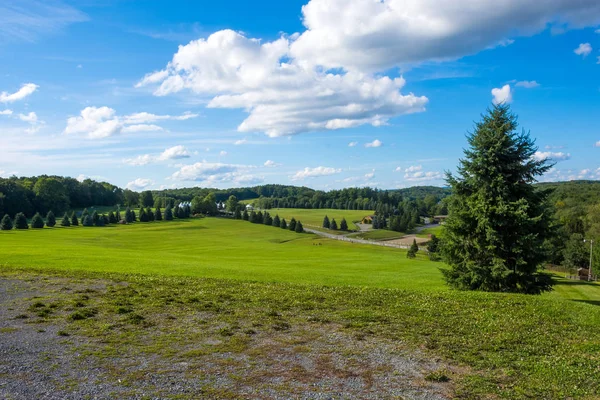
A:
(266, 219)
(94, 219)
(332, 225)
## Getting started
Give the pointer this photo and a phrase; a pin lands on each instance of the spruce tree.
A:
(143, 216)
(84, 213)
(132, 215)
(37, 221)
(74, 220)
(150, 214)
(21, 221)
(237, 214)
(112, 218)
(326, 223)
(299, 228)
(433, 247)
(6, 224)
(414, 247)
(100, 221)
(65, 220)
(50, 219)
(258, 219)
(157, 214)
(267, 219)
(498, 222)
(292, 224)
(87, 221)
(283, 224)
(276, 221)
(333, 226)
(95, 217)
(245, 215)
(168, 213)
(343, 225)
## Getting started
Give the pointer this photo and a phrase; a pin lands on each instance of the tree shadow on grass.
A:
(592, 302)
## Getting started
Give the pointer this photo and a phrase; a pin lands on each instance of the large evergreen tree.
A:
(299, 228)
(292, 224)
(333, 226)
(21, 221)
(146, 199)
(283, 224)
(74, 220)
(326, 223)
(276, 221)
(6, 224)
(498, 222)
(158, 214)
(343, 225)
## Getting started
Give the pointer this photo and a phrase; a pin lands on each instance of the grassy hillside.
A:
(215, 247)
(315, 216)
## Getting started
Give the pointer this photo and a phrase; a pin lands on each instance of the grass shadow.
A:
(592, 302)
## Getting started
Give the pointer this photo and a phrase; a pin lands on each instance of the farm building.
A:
(368, 219)
(440, 219)
(249, 207)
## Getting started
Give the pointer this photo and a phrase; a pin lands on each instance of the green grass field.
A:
(315, 216)
(502, 345)
(378, 234)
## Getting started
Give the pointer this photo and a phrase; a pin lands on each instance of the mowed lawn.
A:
(219, 248)
(315, 216)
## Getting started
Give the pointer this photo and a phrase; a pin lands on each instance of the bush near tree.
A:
(95, 217)
(65, 220)
(412, 251)
(50, 219)
(343, 225)
(74, 220)
(498, 221)
(21, 221)
(37, 222)
(433, 248)
(143, 216)
(6, 224)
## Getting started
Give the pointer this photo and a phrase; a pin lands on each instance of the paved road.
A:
(353, 240)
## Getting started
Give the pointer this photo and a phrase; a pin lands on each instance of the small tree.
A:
(143, 215)
(237, 214)
(6, 224)
(343, 225)
(99, 221)
(433, 247)
(333, 226)
(87, 221)
(411, 253)
(84, 213)
(299, 228)
(150, 214)
(95, 217)
(157, 214)
(133, 216)
(259, 218)
(112, 218)
(50, 219)
(74, 220)
(65, 220)
(245, 215)
(21, 221)
(292, 225)
(118, 215)
(168, 213)
(283, 224)
(37, 221)
(267, 219)
(276, 221)
(326, 223)
(414, 247)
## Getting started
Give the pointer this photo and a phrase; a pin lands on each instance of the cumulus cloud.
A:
(6, 112)
(374, 143)
(352, 144)
(584, 49)
(376, 35)
(370, 175)
(31, 117)
(172, 153)
(314, 172)
(502, 95)
(222, 153)
(283, 95)
(217, 174)
(423, 176)
(103, 122)
(549, 155)
(139, 184)
(25, 90)
(597, 144)
(271, 164)
(398, 169)
(414, 168)
(240, 142)
(527, 84)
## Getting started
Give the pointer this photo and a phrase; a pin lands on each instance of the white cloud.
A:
(370, 175)
(140, 160)
(240, 142)
(31, 117)
(597, 144)
(81, 177)
(172, 153)
(584, 49)
(6, 112)
(379, 34)
(527, 84)
(315, 172)
(352, 144)
(598, 62)
(549, 155)
(271, 164)
(141, 128)
(423, 176)
(217, 174)
(502, 95)
(25, 90)
(102, 122)
(222, 153)
(398, 169)
(374, 143)
(139, 184)
(414, 168)
(282, 95)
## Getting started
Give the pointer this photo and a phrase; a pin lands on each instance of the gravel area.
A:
(39, 360)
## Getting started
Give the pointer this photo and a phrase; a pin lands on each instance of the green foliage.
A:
(343, 225)
(283, 224)
(232, 204)
(292, 225)
(50, 219)
(168, 213)
(100, 221)
(498, 223)
(276, 221)
(158, 214)
(576, 252)
(74, 220)
(299, 228)
(21, 221)
(95, 217)
(333, 226)
(118, 216)
(133, 217)
(112, 218)
(237, 214)
(65, 220)
(6, 223)
(150, 214)
(142, 215)
(87, 221)
(433, 247)
(37, 221)
(245, 215)
(267, 219)
(326, 223)
(146, 199)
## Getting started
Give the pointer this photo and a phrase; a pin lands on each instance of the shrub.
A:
(6, 224)
(21, 221)
(343, 225)
(99, 221)
(276, 221)
(74, 220)
(143, 215)
(283, 224)
(292, 224)
(299, 228)
(95, 218)
(237, 214)
(112, 218)
(87, 221)
(245, 215)
(37, 221)
(168, 213)
(326, 223)
(157, 214)
(65, 220)
(333, 225)
(150, 215)
(50, 219)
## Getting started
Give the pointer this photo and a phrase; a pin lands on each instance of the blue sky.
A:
(322, 93)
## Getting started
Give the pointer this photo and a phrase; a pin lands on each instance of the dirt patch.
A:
(408, 240)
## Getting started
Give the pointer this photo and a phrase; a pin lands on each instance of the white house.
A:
(249, 207)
